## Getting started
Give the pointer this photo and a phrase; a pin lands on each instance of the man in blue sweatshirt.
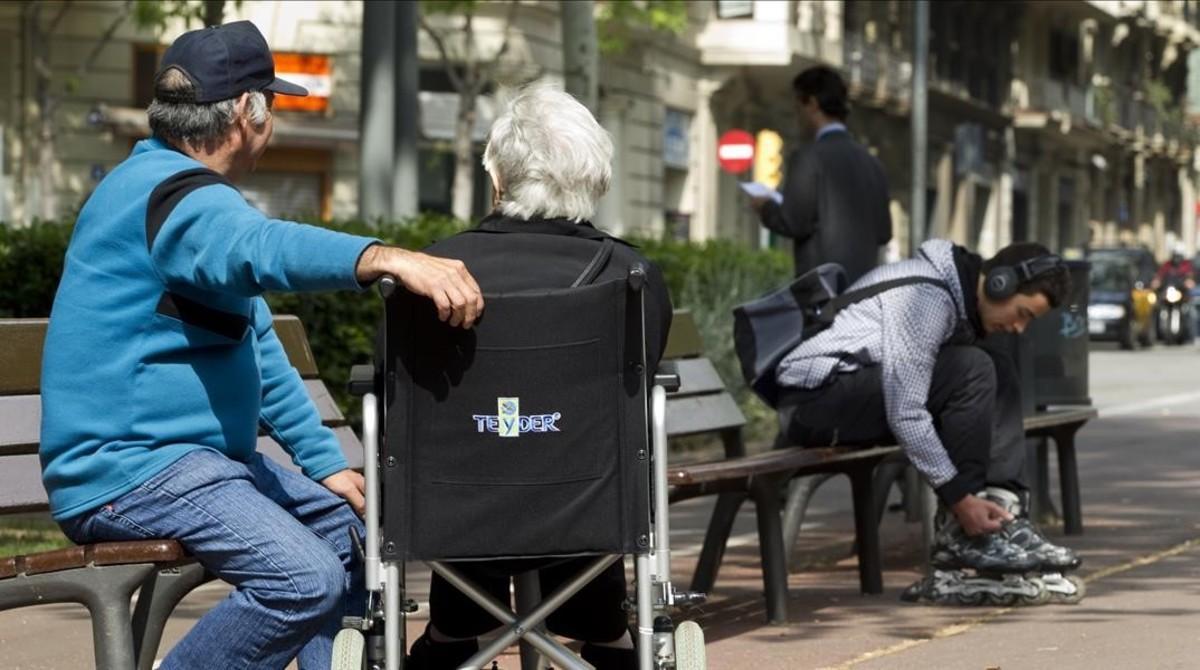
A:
(161, 365)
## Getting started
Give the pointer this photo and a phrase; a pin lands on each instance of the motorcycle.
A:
(1174, 312)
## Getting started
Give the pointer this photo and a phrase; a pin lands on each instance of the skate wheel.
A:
(348, 649)
(689, 647)
(1072, 598)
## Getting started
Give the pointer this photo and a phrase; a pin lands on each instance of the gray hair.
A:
(550, 156)
(197, 123)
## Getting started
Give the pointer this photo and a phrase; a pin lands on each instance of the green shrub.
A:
(31, 262)
(708, 279)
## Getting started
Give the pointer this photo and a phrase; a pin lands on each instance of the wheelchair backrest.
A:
(524, 436)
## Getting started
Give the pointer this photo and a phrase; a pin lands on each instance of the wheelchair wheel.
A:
(348, 649)
(689, 647)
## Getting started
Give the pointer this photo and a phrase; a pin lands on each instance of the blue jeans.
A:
(280, 538)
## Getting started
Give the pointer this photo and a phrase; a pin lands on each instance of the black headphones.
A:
(1004, 280)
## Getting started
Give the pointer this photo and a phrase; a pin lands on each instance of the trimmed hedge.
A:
(708, 278)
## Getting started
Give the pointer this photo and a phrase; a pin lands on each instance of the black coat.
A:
(835, 206)
(506, 254)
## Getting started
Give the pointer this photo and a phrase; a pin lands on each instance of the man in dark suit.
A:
(835, 196)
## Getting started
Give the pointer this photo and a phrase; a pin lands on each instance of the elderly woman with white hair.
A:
(550, 162)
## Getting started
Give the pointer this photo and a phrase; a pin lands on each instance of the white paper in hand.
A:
(756, 189)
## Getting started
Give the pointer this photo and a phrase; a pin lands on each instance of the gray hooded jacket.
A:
(902, 331)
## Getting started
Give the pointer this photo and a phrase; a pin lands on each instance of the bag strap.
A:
(830, 311)
(597, 264)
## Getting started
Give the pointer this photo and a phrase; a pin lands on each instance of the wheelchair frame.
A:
(655, 595)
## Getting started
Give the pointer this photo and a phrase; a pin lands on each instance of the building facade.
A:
(1062, 122)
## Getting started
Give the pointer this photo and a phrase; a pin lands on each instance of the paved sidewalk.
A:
(1140, 475)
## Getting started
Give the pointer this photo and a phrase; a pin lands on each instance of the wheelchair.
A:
(539, 433)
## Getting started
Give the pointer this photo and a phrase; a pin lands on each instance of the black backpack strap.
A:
(831, 309)
(597, 264)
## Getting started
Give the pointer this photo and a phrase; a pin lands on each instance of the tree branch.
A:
(62, 11)
(494, 64)
(447, 63)
(105, 38)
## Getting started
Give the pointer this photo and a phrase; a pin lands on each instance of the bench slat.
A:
(21, 476)
(21, 419)
(700, 414)
(683, 340)
(326, 405)
(697, 376)
(776, 460)
(104, 553)
(21, 355)
(291, 335)
(351, 448)
(1058, 417)
(21, 485)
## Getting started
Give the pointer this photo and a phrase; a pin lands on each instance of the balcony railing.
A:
(877, 71)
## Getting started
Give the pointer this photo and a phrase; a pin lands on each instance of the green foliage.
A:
(457, 7)
(1106, 102)
(156, 14)
(341, 326)
(29, 534)
(708, 279)
(31, 261)
(617, 21)
(1157, 94)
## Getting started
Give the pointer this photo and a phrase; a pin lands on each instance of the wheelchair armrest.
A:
(362, 380)
(667, 376)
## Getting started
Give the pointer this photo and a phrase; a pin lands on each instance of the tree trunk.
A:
(463, 193)
(47, 206)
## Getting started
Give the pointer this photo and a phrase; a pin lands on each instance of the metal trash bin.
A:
(1059, 345)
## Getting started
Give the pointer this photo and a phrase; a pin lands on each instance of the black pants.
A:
(594, 614)
(974, 397)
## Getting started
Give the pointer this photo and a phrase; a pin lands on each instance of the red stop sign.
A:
(735, 151)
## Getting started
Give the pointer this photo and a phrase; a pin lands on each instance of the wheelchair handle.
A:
(387, 285)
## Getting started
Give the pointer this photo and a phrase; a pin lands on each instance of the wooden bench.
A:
(703, 405)
(104, 576)
(761, 478)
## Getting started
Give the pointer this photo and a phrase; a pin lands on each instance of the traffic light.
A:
(768, 158)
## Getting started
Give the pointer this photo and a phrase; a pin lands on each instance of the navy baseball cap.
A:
(223, 62)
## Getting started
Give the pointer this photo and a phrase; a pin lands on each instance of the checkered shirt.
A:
(902, 331)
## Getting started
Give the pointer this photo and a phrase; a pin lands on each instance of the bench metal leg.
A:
(158, 596)
(719, 527)
(913, 503)
(1043, 503)
(866, 529)
(1064, 440)
(800, 493)
(765, 491)
(888, 472)
(104, 590)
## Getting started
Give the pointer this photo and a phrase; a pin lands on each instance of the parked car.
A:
(1123, 270)
(1111, 313)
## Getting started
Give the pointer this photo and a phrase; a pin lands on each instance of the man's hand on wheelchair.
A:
(443, 280)
(349, 485)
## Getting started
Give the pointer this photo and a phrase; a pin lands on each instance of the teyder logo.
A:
(508, 422)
